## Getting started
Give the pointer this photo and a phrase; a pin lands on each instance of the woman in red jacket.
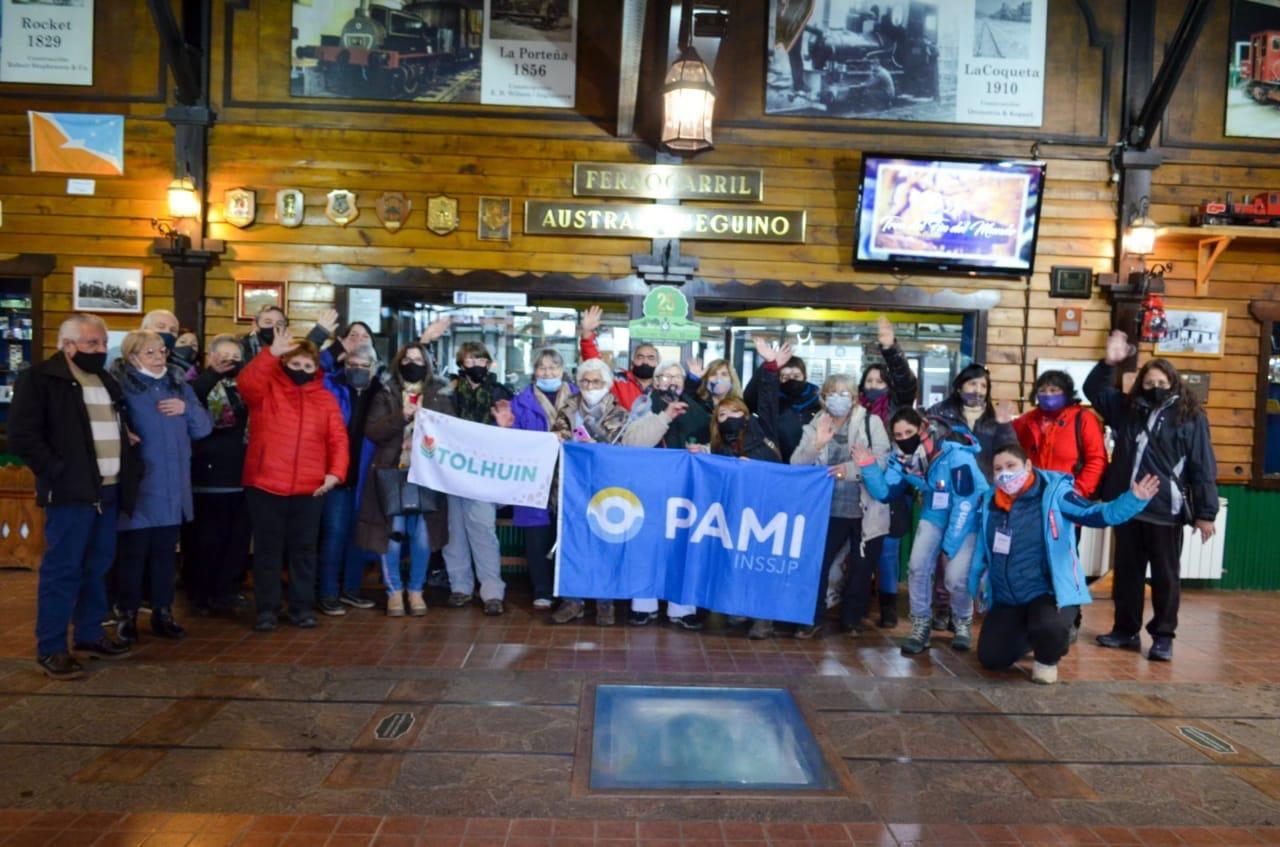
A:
(1061, 435)
(297, 454)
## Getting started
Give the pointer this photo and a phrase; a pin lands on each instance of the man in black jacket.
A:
(67, 423)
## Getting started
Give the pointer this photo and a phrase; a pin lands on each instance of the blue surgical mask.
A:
(874, 394)
(1051, 402)
(719, 387)
(838, 405)
(550, 384)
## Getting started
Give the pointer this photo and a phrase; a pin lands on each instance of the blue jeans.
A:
(924, 557)
(889, 553)
(80, 542)
(413, 529)
(340, 560)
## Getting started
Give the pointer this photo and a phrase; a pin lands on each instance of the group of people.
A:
(298, 449)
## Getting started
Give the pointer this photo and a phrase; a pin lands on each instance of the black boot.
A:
(127, 627)
(888, 611)
(163, 625)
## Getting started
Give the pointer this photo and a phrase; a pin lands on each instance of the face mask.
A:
(642, 371)
(186, 354)
(731, 428)
(413, 372)
(793, 388)
(146, 371)
(667, 395)
(1051, 402)
(593, 396)
(476, 373)
(908, 446)
(169, 340)
(874, 394)
(267, 335)
(719, 387)
(89, 362)
(235, 369)
(1156, 396)
(1011, 482)
(550, 384)
(838, 405)
(299, 377)
(359, 378)
(972, 399)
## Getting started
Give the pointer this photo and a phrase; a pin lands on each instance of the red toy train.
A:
(1261, 209)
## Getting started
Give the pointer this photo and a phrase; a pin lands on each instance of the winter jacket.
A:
(296, 434)
(217, 462)
(693, 427)
(953, 476)
(793, 414)
(1055, 443)
(989, 432)
(49, 430)
(756, 445)
(530, 415)
(164, 498)
(903, 385)
(851, 498)
(354, 406)
(626, 387)
(475, 402)
(1059, 504)
(1147, 441)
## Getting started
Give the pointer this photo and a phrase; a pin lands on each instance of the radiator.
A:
(1200, 560)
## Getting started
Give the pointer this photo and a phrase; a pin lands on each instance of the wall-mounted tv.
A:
(948, 215)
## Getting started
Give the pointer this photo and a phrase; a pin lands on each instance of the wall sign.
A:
(667, 182)
(949, 61)
(633, 220)
(529, 53)
(666, 318)
(47, 43)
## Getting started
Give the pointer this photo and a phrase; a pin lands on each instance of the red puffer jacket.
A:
(1050, 442)
(296, 434)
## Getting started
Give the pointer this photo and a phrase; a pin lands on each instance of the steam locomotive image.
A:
(1259, 68)
(1262, 209)
(541, 14)
(383, 52)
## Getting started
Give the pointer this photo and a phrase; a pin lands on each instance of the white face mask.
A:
(154, 374)
(593, 396)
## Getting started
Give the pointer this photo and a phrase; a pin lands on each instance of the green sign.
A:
(666, 317)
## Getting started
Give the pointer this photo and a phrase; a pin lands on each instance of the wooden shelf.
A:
(1212, 242)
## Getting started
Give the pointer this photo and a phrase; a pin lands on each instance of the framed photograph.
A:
(1252, 76)
(252, 296)
(1194, 332)
(494, 219)
(107, 290)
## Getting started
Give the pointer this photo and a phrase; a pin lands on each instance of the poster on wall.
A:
(496, 52)
(46, 41)
(1253, 73)
(947, 61)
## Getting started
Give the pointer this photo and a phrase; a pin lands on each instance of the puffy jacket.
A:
(989, 432)
(1051, 444)
(1059, 504)
(296, 433)
(757, 445)
(164, 498)
(530, 415)
(1181, 454)
(793, 414)
(626, 388)
(953, 471)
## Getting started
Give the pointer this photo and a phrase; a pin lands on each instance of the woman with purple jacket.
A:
(535, 409)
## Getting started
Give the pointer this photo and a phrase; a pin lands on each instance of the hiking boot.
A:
(457, 600)
(941, 620)
(888, 611)
(641, 618)
(60, 666)
(1120, 641)
(1161, 649)
(760, 630)
(332, 606)
(438, 579)
(395, 604)
(604, 613)
(918, 641)
(417, 604)
(963, 639)
(569, 611)
(1044, 674)
(493, 608)
(105, 647)
(355, 601)
(164, 626)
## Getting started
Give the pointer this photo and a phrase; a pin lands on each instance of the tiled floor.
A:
(236, 738)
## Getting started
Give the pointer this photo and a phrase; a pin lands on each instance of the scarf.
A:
(225, 404)
(1004, 502)
(880, 408)
(593, 418)
(548, 407)
(411, 392)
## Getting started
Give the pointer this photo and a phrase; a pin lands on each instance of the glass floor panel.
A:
(678, 737)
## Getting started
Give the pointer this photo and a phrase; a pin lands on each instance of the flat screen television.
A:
(948, 215)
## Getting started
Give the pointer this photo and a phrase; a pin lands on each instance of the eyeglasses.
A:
(158, 352)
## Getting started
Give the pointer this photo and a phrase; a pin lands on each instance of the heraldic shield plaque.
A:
(240, 207)
(341, 208)
(442, 214)
(393, 210)
(291, 207)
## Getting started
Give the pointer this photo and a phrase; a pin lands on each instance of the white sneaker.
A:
(1044, 674)
(542, 603)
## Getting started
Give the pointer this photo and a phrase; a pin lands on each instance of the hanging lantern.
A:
(183, 202)
(688, 100)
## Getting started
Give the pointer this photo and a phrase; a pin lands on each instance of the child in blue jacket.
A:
(1026, 557)
(952, 485)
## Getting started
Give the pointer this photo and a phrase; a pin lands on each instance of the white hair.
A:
(663, 367)
(220, 340)
(148, 321)
(69, 330)
(594, 366)
(364, 353)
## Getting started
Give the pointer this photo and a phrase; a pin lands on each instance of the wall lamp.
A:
(183, 200)
(1140, 235)
(688, 95)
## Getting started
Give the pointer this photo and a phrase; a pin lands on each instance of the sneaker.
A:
(805, 633)
(760, 630)
(305, 621)
(493, 608)
(918, 641)
(604, 613)
(355, 601)
(459, 601)
(105, 647)
(1044, 674)
(1161, 649)
(641, 618)
(438, 579)
(127, 628)
(417, 604)
(266, 622)
(164, 626)
(963, 639)
(941, 620)
(60, 666)
(687, 622)
(395, 604)
(331, 606)
(569, 611)
(1120, 641)
(542, 603)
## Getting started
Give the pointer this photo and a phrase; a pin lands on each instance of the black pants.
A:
(855, 598)
(1138, 544)
(280, 522)
(1009, 631)
(538, 541)
(149, 554)
(218, 555)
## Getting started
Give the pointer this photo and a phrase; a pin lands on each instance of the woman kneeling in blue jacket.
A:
(1027, 555)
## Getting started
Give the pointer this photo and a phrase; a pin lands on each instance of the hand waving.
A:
(1117, 347)
(502, 414)
(435, 329)
(783, 356)
(283, 342)
(885, 333)
(825, 429)
(694, 366)
(590, 321)
(1006, 411)
(763, 349)
(328, 320)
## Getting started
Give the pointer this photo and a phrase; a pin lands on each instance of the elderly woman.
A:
(164, 414)
(412, 386)
(534, 409)
(297, 454)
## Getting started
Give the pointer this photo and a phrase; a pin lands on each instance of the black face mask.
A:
(299, 377)
(186, 354)
(267, 335)
(1156, 396)
(642, 371)
(731, 428)
(667, 395)
(359, 378)
(169, 340)
(235, 369)
(476, 373)
(91, 363)
(793, 388)
(413, 372)
(908, 446)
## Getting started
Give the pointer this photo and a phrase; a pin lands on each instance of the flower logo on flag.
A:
(615, 515)
(428, 446)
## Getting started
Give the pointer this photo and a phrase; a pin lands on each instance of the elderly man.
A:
(67, 424)
(271, 320)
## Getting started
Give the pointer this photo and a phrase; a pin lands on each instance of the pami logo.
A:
(615, 515)
(774, 547)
